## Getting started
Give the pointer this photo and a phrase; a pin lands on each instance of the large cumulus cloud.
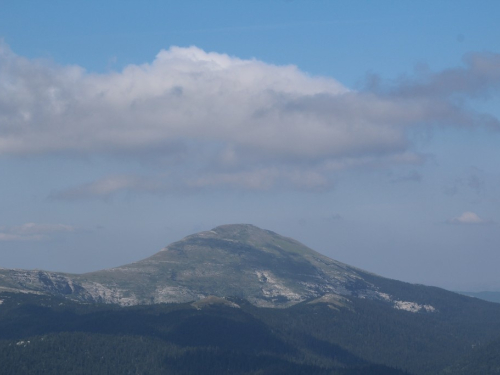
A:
(227, 121)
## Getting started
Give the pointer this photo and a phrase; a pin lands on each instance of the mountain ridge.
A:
(234, 260)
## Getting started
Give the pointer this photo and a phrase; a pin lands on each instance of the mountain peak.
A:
(237, 228)
(238, 232)
(252, 238)
(242, 229)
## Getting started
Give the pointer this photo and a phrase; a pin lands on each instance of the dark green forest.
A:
(48, 335)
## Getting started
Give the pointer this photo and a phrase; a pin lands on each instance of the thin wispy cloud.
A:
(472, 180)
(479, 77)
(220, 121)
(264, 179)
(258, 180)
(33, 231)
(107, 187)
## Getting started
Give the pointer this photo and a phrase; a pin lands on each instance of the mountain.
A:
(241, 261)
(242, 295)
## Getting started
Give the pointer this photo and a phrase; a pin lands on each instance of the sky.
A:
(369, 131)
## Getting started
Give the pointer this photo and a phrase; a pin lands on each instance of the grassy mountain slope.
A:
(232, 260)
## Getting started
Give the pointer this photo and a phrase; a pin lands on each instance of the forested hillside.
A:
(47, 335)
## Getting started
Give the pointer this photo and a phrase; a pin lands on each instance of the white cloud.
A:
(468, 218)
(32, 231)
(226, 121)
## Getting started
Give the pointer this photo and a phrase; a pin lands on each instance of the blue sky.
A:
(367, 130)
